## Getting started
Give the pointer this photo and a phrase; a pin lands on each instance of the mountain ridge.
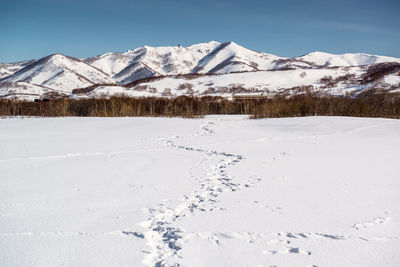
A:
(64, 73)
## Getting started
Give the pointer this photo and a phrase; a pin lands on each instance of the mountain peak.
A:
(59, 58)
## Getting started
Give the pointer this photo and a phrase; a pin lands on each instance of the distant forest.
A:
(368, 104)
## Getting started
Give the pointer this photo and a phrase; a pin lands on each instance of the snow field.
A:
(218, 191)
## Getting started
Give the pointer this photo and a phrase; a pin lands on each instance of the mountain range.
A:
(164, 71)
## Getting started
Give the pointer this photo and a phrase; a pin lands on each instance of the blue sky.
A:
(82, 28)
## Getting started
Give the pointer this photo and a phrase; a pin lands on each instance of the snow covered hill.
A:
(62, 74)
(345, 80)
(322, 59)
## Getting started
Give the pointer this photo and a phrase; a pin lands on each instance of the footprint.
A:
(136, 234)
(279, 156)
(375, 221)
(288, 250)
(252, 182)
(271, 209)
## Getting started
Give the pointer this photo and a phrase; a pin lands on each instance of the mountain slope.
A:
(59, 72)
(7, 69)
(109, 63)
(322, 59)
(151, 61)
(231, 57)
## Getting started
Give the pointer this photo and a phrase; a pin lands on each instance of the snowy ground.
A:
(218, 191)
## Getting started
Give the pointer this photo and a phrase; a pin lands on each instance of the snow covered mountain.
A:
(231, 57)
(59, 72)
(63, 74)
(7, 69)
(322, 59)
(211, 57)
(151, 61)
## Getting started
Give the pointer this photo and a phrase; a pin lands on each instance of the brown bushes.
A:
(189, 76)
(330, 82)
(144, 80)
(140, 88)
(184, 86)
(378, 71)
(303, 89)
(89, 88)
(370, 104)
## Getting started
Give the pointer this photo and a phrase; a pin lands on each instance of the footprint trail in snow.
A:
(164, 240)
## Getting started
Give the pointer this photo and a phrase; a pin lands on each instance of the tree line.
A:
(371, 104)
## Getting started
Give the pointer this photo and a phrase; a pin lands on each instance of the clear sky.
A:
(81, 28)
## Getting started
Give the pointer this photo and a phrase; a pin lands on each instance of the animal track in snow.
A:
(205, 129)
(376, 221)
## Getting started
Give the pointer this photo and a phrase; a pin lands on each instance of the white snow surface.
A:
(218, 191)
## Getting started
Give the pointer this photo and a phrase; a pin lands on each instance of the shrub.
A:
(152, 90)
(167, 92)
(210, 90)
(189, 91)
(328, 82)
(140, 88)
(326, 79)
(184, 86)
